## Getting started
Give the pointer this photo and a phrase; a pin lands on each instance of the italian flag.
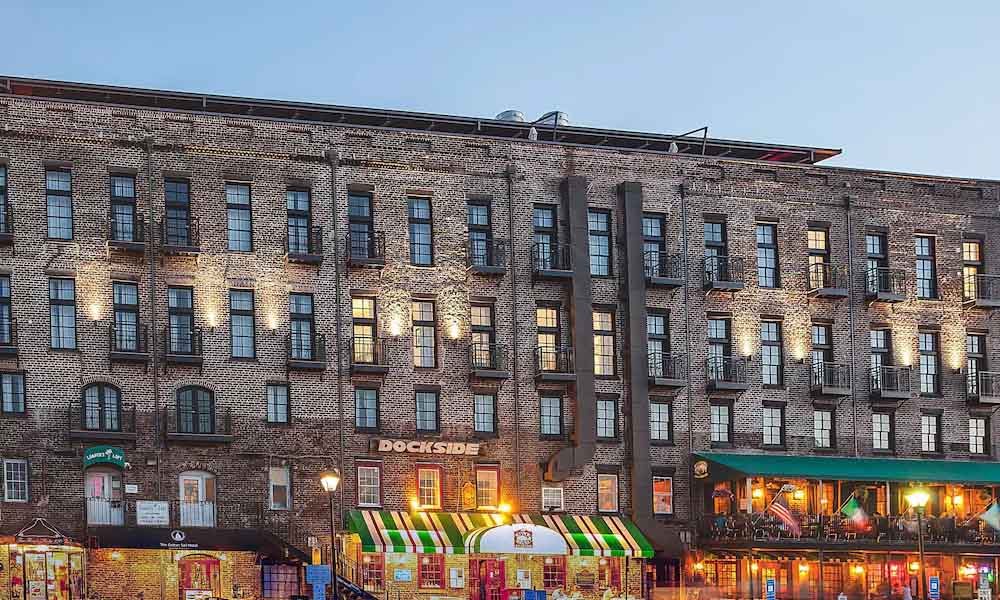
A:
(854, 513)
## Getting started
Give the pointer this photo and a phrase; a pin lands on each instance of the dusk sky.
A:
(898, 85)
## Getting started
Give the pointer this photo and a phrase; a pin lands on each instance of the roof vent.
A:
(515, 116)
(555, 118)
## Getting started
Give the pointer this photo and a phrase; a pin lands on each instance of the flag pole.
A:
(976, 516)
(845, 503)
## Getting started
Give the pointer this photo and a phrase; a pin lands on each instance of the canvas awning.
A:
(595, 535)
(519, 538)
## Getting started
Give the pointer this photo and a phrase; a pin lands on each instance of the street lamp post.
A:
(918, 500)
(330, 480)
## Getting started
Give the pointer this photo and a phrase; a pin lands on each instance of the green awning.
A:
(728, 465)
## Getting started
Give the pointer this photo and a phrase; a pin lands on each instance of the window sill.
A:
(483, 435)
(774, 386)
(664, 443)
(608, 440)
(935, 395)
(14, 415)
(550, 437)
(367, 430)
(242, 359)
(424, 433)
(277, 424)
(65, 350)
(933, 454)
(607, 377)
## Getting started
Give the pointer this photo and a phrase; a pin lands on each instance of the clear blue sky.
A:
(900, 85)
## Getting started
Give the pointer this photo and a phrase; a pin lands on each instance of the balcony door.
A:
(104, 497)
(197, 499)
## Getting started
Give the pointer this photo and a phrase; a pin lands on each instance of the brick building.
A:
(611, 343)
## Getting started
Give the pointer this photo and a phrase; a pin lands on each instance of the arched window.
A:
(195, 410)
(101, 407)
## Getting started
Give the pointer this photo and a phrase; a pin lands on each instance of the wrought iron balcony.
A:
(108, 512)
(488, 361)
(8, 337)
(982, 291)
(727, 373)
(983, 387)
(365, 249)
(827, 281)
(487, 257)
(128, 343)
(306, 352)
(668, 370)
(183, 345)
(722, 273)
(830, 379)
(663, 270)
(883, 284)
(98, 423)
(306, 246)
(554, 363)
(127, 235)
(6, 223)
(369, 355)
(180, 237)
(891, 383)
(193, 428)
(551, 261)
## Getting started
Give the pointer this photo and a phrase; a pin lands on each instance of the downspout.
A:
(333, 158)
(512, 262)
(850, 322)
(687, 343)
(151, 255)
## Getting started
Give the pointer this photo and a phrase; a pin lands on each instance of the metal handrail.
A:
(727, 369)
(890, 379)
(486, 253)
(195, 343)
(487, 357)
(554, 359)
(722, 268)
(138, 230)
(139, 343)
(8, 333)
(193, 237)
(829, 374)
(367, 246)
(125, 419)
(316, 348)
(885, 280)
(667, 366)
(314, 242)
(826, 275)
(983, 287)
(657, 263)
(550, 257)
(366, 350)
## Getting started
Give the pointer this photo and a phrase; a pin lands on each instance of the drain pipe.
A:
(151, 253)
(512, 261)
(850, 322)
(687, 339)
(333, 158)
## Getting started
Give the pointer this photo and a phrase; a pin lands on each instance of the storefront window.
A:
(607, 492)
(487, 486)
(373, 572)
(280, 581)
(721, 574)
(430, 571)
(199, 577)
(609, 573)
(554, 572)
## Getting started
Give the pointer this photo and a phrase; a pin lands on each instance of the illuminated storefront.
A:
(40, 563)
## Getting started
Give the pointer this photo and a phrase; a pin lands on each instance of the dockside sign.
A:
(425, 447)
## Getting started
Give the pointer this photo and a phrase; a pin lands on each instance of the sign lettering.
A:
(104, 455)
(425, 447)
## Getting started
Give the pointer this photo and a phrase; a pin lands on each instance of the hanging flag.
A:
(854, 513)
(779, 508)
(992, 516)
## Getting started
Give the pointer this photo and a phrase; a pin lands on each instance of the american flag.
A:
(779, 508)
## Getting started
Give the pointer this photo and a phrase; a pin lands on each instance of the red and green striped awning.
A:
(446, 533)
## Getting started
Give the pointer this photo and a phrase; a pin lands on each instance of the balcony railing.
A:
(488, 257)
(722, 273)
(306, 246)
(6, 223)
(118, 423)
(982, 290)
(668, 369)
(983, 387)
(193, 428)
(890, 382)
(827, 280)
(554, 363)
(831, 379)
(366, 249)
(369, 355)
(105, 511)
(727, 372)
(182, 239)
(551, 260)
(488, 360)
(662, 269)
(306, 351)
(8, 336)
(183, 345)
(128, 343)
(885, 285)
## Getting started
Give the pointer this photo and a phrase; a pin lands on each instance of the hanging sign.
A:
(110, 455)
(701, 469)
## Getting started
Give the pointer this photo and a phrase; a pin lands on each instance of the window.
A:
(195, 410)
(62, 313)
(424, 334)
(125, 299)
(878, 260)
(547, 322)
(6, 313)
(975, 361)
(771, 355)
(427, 411)
(926, 268)
(277, 403)
(303, 327)
(554, 573)
(429, 486)
(430, 571)
(715, 251)
(822, 344)
(882, 431)
(767, 255)
(369, 484)
(819, 257)
(15, 479)
(485, 413)
(487, 486)
(774, 426)
(177, 204)
(604, 343)
(979, 435)
(242, 332)
(881, 354)
(607, 418)
(972, 267)
(360, 219)
(364, 331)
(544, 221)
(12, 393)
(720, 348)
(366, 409)
(421, 232)
(663, 495)
(660, 421)
(480, 234)
(180, 315)
(484, 354)
(279, 581)
(123, 217)
(607, 492)
(197, 499)
(5, 217)
(653, 244)
(101, 408)
(299, 206)
(930, 433)
(930, 365)
(59, 204)
(823, 428)
(658, 344)
(552, 499)
(279, 483)
(721, 423)
(373, 572)
(551, 415)
(239, 219)
(599, 224)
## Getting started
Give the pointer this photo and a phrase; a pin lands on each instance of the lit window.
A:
(554, 572)
(663, 495)
(604, 344)
(487, 487)
(607, 492)
(281, 489)
(430, 571)
(279, 581)
(369, 485)
(552, 498)
(429, 487)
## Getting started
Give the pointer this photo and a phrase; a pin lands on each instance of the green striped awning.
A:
(595, 535)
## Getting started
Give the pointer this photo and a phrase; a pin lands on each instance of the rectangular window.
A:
(483, 338)
(658, 344)
(975, 362)
(6, 312)
(660, 421)
(546, 241)
(930, 362)
(485, 413)
(972, 267)
(429, 486)
(819, 257)
(607, 492)
(301, 322)
(716, 266)
(552, 499)
(882, 431)
(767, 255)
(59, 204)
(5, 217)
(279, 581)
(721, 423)
(878, 260)
(547, 322)
(720, 348)
(242, 331)
(365, 331)
(280, 486)
(424, 334)
(823, 428)
(979, 435)
(239, 217)
(926, 267)
(123, 215)
(430, 571)
(772, 371)
(372, 572)
(277, 403)
(369, 484)
(125, 300)
(480, 234)
(654, 245)
(822, 344)
(487, 486)
(12, 393)
(930, 433)
(366, 409)
(604, 343)
(298, 203)
(599, 224)
(774, 426)
(880, 343)
(177, 204)
(180, 319)
(62, 313)
(551, 415)
(427, 411)
(554, 572)
(360, 224)
(15, 478)
(663, 495)
(421, 232)
(607, 418)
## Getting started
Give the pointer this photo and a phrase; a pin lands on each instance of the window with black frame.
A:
(483, 337)
(101, 408)
(878, 261)
(720, 348)
(480, 234)
(544, 222)
(653, 244)
(195, 411)
(772, 362)
(180, 318)
(360, 219)
(421, 232)
(59, 204)
(177, 204)
(658, 344)
(819, 257)
(365, 332)
(5, 216)
(975, 362)
(767, 255)
(126, 307)
(302, 325)
(123, 221)
(12, 393)
(239, 217)
(299, 206)
(242, 329)
(972, 267)
(926, 267)
(6, 313)
(424, 334)
(930, 362)
(716, 267)
(979, 435)
(599, 225)
(62, 313)
(881, 354)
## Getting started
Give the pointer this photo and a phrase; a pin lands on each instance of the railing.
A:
(8, 333)
(366, 246)
(177, 239)
(722, 269)
(554, 359)
(883, 280)
(828, 374)
(888, 379)
(182, 341)
(312, 243)
(367, 350)
(307, 348)
(207, 513)
(487, 357)
(550, 257)
(121, 421)
(221, 422)
(133, 231)
(727, 369)
(131, 340)
(7, 222)
(656, 263)
(105, 511)
(825, 275)
(982, 287)
(486, 253)
(663, 365)
(983, 385)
